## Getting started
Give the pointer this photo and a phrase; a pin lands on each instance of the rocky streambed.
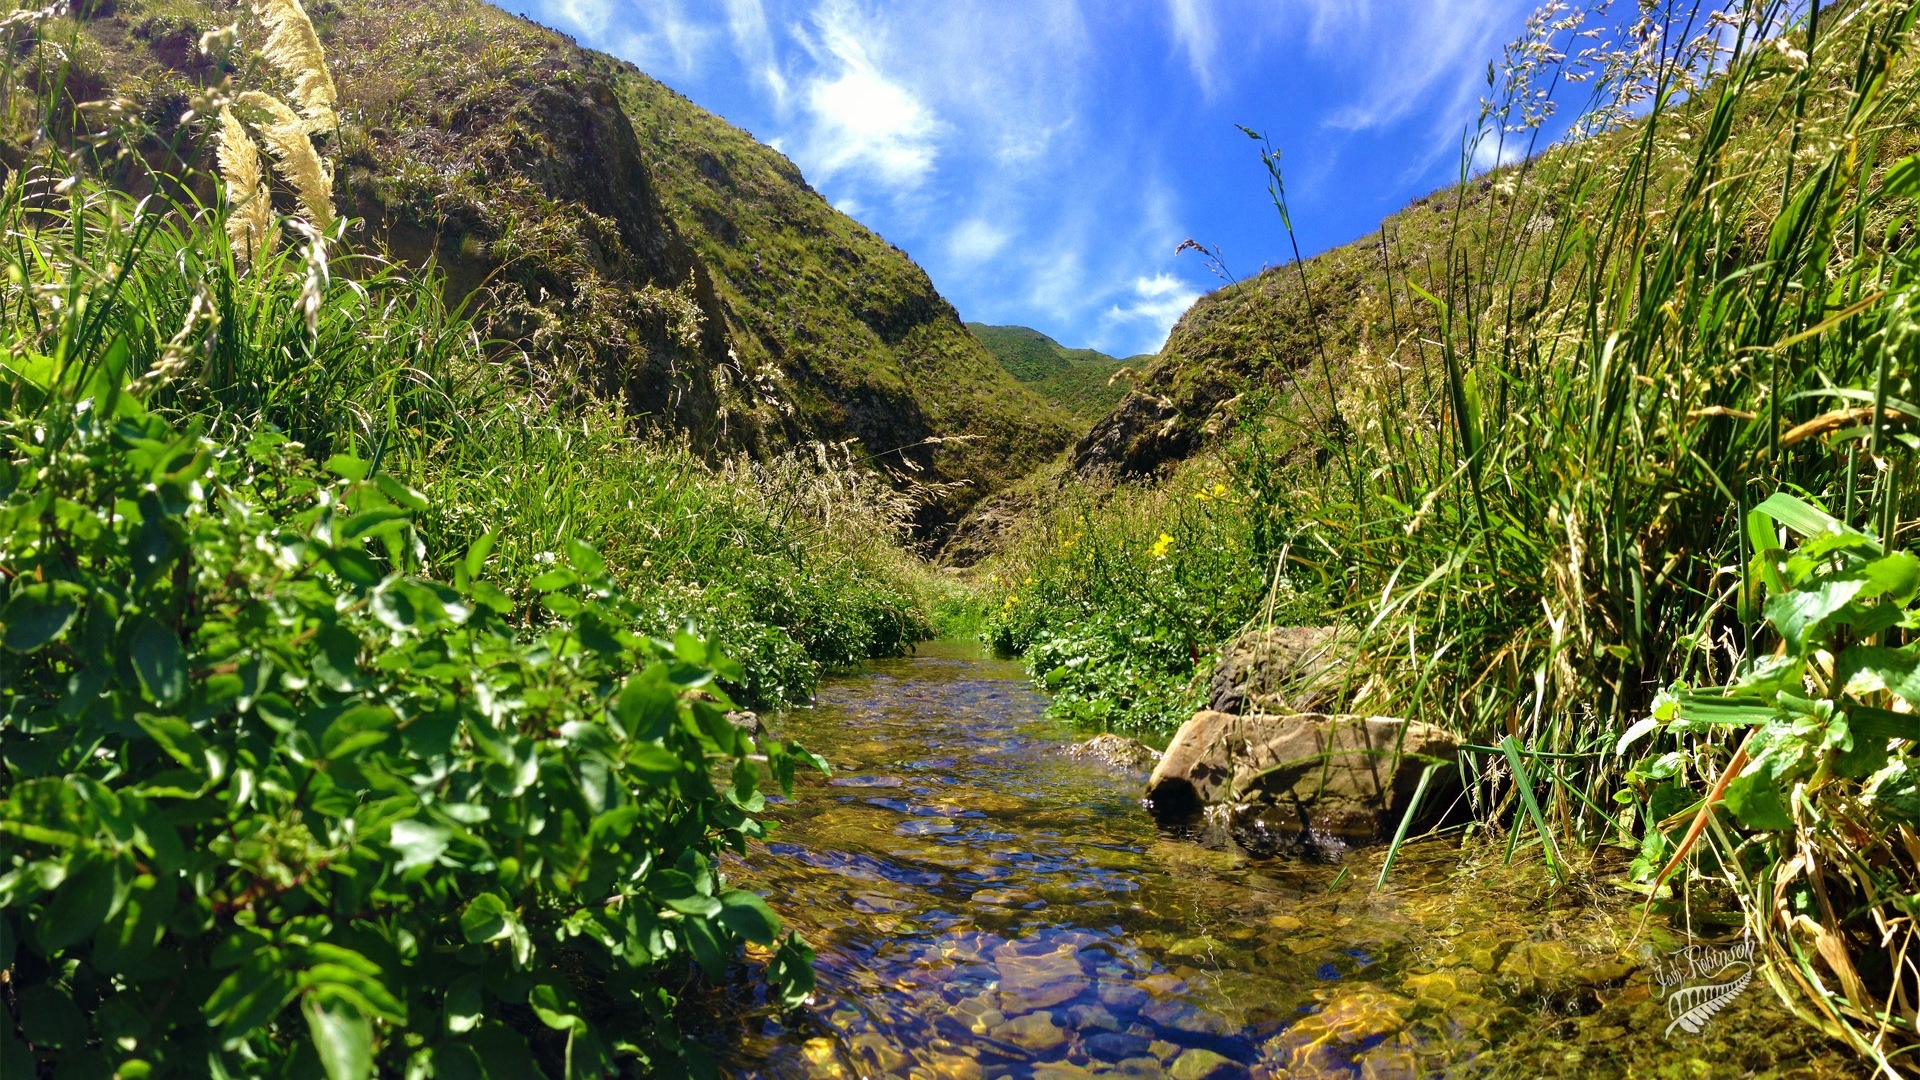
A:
(987, 903)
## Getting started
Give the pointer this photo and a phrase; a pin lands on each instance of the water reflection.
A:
(984, 906)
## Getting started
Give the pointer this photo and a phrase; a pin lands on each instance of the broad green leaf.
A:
(158, 660)
(492, 598)
(1710, 708)
(556, 1007)
(1801, 516)
(477, 552)
(1754, 798)
(1900, 181)
(127, 940)
(1895, 576)
(251, 997)
(341, 1035)
(369, 523)
(1863, 668)
(749, 917)
(15, 1060)
(39, 614)
(49, 1018)
(1634, 734)
(402, 494)
(357, 728)
(791, 970)
(1800, 613)
(417, 843)
(707, 950)
(347, 467)
(585, 559)
(336, 969)
(337, 660)
(177, 738)
(648, 705)
(485, 919)
(463, 1008)
(689, 649)
(91, 892)
(1895, 791)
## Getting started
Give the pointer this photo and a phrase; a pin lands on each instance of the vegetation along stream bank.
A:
(472, 524)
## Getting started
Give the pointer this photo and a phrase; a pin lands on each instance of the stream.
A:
(986, 906)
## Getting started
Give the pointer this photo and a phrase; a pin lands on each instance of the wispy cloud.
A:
(976, 241)
(1157, 301)
(1413, 59)
(669, 40)
(753, 42)
(1194, 30)
(864, 121)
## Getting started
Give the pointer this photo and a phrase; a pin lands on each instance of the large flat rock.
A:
(1349, 777)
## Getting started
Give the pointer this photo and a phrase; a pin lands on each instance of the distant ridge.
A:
(1079, 380)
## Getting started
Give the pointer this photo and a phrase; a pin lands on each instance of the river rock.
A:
(1201, 1064)
(1117, 751)
(1345, 778)
(1279, 669)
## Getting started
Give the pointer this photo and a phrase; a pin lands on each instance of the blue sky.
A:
(1042, 159)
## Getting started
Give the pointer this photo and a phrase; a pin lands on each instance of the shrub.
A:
(275, 800)
(1118, 604)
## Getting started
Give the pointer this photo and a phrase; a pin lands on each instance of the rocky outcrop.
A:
(988, 527)
(1280, 669)
(1143, 433)
(1344, 779)
(1117, 751)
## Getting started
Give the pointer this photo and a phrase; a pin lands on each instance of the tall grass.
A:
(799, 565)
(1573, 378)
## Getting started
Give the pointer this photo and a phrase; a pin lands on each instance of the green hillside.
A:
(629, 242)
(1081, 381)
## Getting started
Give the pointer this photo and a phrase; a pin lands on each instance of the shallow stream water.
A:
(986, 906)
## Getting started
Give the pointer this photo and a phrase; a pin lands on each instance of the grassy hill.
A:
(1080, 381)
(633, 246)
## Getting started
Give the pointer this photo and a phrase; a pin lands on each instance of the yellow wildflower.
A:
(1160, 546)
(1219, 490)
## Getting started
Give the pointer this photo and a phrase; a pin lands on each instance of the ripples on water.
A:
(984, 906)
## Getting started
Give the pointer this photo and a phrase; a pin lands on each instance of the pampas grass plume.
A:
(250, 205)
(294, 156)
(294, 48)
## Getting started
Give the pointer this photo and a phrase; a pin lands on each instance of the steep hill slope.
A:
(1268, 334)
(626, 240)
(1081, 381)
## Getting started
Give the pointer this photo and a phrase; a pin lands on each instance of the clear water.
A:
(986, 906)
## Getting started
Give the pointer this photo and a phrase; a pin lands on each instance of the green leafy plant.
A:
(1821, 708)
(274, 799)
(1825, 762)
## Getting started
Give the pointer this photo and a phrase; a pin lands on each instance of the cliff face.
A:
(621, 237)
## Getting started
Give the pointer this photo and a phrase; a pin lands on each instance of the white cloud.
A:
(1194, 29)
(667, 39)
(1426, 58)
(864, 122)
(976, 241)
(753, 44)
(1157, 301)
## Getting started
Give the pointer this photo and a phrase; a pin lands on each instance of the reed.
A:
(1579, 373)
